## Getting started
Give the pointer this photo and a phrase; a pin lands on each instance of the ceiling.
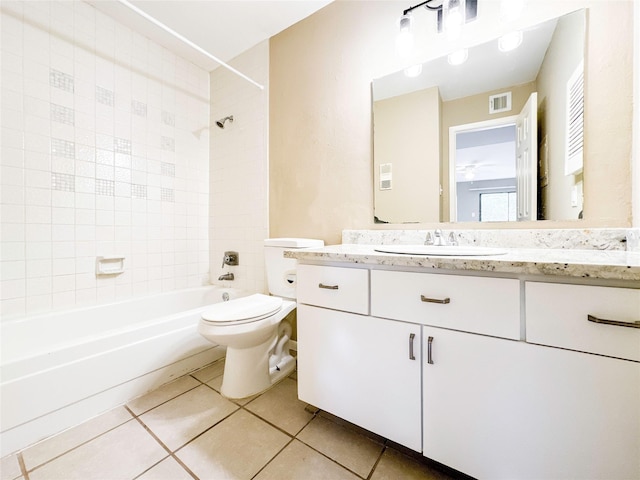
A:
(224, 28)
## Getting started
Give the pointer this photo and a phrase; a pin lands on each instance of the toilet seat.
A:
(242, 310)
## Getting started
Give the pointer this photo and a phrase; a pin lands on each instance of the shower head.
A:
(222, 121)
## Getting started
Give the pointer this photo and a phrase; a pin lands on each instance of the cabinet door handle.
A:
(328, 287)
(429, 350)
(412, 337)
(435, 300)
(617, 323)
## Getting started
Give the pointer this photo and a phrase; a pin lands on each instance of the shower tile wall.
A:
(102, 154)
(240, 170)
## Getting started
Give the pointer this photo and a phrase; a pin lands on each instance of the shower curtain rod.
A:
(188, 42)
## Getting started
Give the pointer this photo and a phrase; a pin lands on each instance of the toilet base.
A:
(247, 371)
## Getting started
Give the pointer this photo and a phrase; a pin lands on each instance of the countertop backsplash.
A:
(573, 239)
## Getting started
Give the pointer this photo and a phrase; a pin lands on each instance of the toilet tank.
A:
(281, 272)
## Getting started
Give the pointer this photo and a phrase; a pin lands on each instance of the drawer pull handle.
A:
(429, 350)
(328, 287)
(442, 301)
(617, 323)
(412, 336)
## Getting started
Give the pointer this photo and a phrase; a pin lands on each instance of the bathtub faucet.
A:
(226, 276)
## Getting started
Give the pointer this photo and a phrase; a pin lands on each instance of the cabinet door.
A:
(497, 408)
(360, 369)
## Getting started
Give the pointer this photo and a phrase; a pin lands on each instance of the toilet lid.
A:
(251, 308)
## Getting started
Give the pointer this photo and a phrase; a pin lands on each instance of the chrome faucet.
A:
(229, 258)
(452, 240)
(438, 238)
(428, 239)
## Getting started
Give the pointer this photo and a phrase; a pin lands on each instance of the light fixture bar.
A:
(144, 14)
(471, 10)
(425, 4)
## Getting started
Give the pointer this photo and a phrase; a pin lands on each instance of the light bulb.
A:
(404, 40)
(458, 57)
(453, 15)
(510, 41)
(413, 70)
(469, 173)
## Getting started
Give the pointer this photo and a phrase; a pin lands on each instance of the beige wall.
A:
(560, 62)
(408, 137)
(321, 175)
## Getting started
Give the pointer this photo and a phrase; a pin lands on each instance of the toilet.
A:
(252, 327)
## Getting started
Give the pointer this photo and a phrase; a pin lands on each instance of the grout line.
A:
(385, 444)
(268, 423)
(329, 458)
(295, 437)
(152, 466)
(206, 430)
(76, 446)
(375, 465)
(23, 467)
(155, 437)
(274, 457)
(168, 450)
(162, 403)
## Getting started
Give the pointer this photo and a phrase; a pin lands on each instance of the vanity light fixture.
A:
(454, 18)
(458, 57)
(413, 70)
(452, 15)
(510, 41)
(404, 40)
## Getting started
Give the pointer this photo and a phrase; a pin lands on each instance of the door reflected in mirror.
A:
(483, 141)
(484, 177)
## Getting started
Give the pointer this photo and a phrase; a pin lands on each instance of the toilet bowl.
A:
(253, 327)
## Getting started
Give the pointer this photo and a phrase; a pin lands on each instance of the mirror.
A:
(473, 142)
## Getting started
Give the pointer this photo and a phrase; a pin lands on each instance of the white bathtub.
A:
(60, 369)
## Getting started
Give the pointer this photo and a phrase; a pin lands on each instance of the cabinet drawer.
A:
(557, 315)
(490, 306)
(338, 288)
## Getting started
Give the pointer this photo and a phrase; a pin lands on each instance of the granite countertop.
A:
(596, 264)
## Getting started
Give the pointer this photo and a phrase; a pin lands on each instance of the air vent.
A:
(575, 122)
(385, 176)
(500, 103)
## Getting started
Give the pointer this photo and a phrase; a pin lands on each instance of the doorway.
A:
(496, 156)
(483, 163)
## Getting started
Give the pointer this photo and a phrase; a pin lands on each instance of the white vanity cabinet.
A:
(470, 384)
(475, 404)
(502, 409)
(586, 406)
(512, 379)
(486, 305)
(363, 369)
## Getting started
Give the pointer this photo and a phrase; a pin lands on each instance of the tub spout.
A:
(226, 276)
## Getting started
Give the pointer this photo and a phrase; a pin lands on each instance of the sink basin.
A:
(440, 251)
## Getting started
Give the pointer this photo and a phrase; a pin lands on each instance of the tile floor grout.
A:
(291, 440)
(162, 444)
(26, 471)
(302, 421)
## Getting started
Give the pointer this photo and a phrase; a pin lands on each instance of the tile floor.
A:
(187, 430)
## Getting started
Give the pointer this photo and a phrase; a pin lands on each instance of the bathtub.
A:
(60, 369)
